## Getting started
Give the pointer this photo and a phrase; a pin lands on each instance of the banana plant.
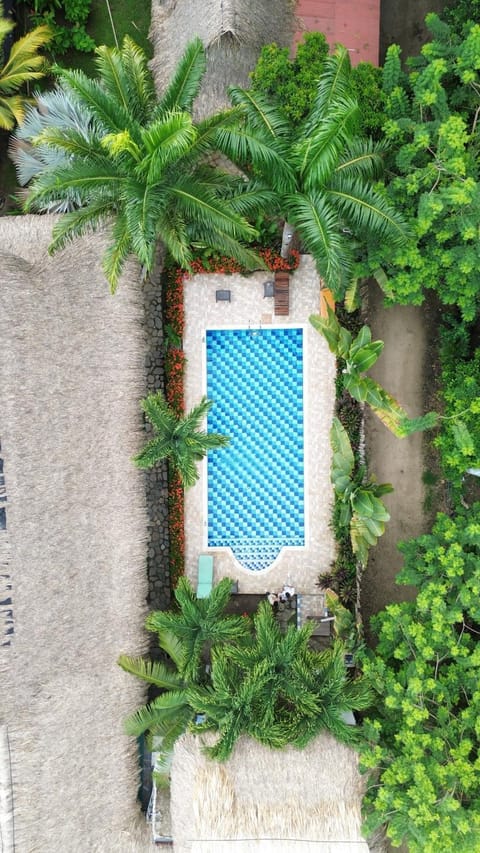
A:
(361, 507)
(359, 354)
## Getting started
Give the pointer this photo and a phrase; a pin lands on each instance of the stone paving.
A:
(300, 566)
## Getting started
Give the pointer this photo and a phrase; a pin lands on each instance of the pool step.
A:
(282, 288)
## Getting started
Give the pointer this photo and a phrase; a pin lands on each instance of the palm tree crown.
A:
(277, 690)
(178, 438)
(140, 164)
(200, 624)
(322, 173)
(24, 64)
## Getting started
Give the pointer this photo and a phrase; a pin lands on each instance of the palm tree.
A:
(169, 714)
(140, 165)
(200, 624)
(321, 173)
(24, 64)
(178, 439)
(53, 108)
(277, 690)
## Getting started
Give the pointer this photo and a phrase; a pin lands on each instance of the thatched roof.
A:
(71, 377)
(233, 32)
(267, 800)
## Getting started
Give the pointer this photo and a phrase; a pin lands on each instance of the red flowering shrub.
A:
(176, 528)
(174, 373)
(275, 262)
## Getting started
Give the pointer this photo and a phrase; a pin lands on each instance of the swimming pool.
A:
(256, 488)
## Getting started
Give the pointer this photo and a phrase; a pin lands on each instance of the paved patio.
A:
(300, 566)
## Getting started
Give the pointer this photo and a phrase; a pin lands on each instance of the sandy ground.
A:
(400, 369)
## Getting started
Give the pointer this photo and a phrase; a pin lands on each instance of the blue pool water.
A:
(256, 484)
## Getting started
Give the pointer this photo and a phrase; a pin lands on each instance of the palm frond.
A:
(243, 146)
(154, 672)
(333, 84)
(318, 227)
(193, 420)
(139, 82)
(366, 210)
(155, 450)
(110, 115)
(206, 131)
(76, 223)
(250, 197)
(116, 254)
(24, 62)
(363, 157)
(260, 113)
(90, 182)
(186, 468)
(165, 142)
(12, 110)
(317, 155)
(151, 717)
(158, 412)
(173, 232)
(215, 238)
(173, 646)
(185, 83)
(72, 142)
(198, 204)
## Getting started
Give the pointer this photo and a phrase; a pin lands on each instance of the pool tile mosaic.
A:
(256, 501)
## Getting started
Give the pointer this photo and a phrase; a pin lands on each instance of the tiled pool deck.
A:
(301, 566)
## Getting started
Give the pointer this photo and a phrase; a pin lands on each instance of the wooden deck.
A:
(282, 294)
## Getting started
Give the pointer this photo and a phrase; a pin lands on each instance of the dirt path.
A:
(400, 369)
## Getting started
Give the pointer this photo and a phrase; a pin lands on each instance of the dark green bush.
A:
(293, 82)
(67, 20)
(459, 438)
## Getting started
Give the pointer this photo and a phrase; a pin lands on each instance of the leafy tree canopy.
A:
(293, 83)
(425, 734)
(432, 117)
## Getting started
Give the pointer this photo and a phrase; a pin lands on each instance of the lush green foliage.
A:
(459, 436)
(293, 83)
(24, 65)
(461, 13)
(178, 439)
(432, 127)
(361, 507)
(258, 681)
(187, 635)
(277, 690)
(321, 173)
(425, 734)
(66, 20)
(140, 165)
(358, 354)
(199, 624)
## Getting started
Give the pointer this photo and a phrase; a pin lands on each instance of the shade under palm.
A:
(322, 174)
(178, 439)
(139, 165)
